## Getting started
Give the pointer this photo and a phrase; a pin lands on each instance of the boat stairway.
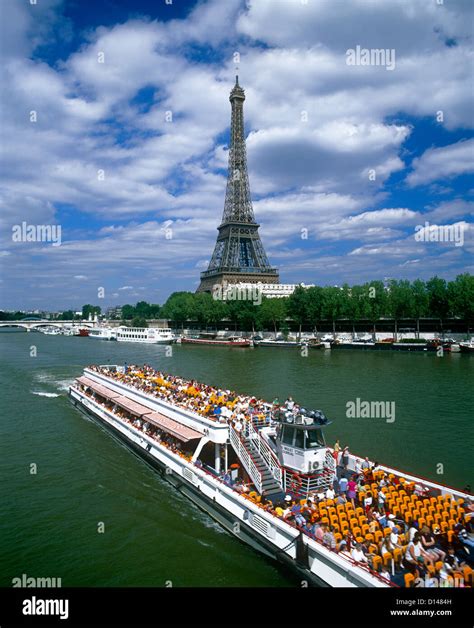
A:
(269, 485)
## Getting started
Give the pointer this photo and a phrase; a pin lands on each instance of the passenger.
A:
(351, 491)
(343, 485)
(365, 464)
(429, 544)
(329, 539)
(345, 457)
(358, 555)
(319, 532)
(330, 494)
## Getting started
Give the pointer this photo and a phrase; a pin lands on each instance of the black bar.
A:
(299, 606)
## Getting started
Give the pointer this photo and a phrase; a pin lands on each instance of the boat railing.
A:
(303, 485)
(246, 458)
(266, 453)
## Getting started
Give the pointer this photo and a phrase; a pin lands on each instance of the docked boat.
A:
(230, 341)
(148, 335)
(467, 347)
(84, 332)
(279, 343)
(50, 331)
(103, 333)
(256, 476)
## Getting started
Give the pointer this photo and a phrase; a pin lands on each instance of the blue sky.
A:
(317, 129)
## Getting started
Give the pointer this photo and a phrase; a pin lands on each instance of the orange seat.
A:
(356, 531)
(387, 532)
(378, 536)
(370, 537)
(387, 558)
(397, 555)
(376, 562)
(468, 575)
(409, 579)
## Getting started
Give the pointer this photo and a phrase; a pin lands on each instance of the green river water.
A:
(153, 535)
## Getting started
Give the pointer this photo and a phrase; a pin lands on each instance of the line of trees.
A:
(372, 301)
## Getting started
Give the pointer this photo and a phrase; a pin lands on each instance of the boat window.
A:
(287, 437)
(299, 439)
(313, 439)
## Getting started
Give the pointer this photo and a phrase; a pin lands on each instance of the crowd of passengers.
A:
(213, 403)
(424, 552)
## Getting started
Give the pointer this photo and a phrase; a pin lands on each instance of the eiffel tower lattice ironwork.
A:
(239, 255)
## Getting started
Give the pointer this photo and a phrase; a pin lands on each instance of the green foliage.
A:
(370, 301)
(90, 309)
(138, 322)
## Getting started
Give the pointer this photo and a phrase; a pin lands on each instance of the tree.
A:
(273, 311)
(178, 308)
(420, 302)
(401, 300)
(461, 297)
(139, 322)
(90, 309)
(203, 310)
(67, 315)
(128, 312)
(377, 302)
(314, 304)
(332, 304)
(438, 301)
(298, 306)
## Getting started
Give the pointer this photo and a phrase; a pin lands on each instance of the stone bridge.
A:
(28, 325)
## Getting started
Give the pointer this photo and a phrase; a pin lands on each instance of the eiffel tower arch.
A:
(239, 256)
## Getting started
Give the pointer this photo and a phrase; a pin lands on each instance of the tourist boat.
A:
(277, 452)
(149, 335)
(103, 333)
(467, 347)
(231, 341)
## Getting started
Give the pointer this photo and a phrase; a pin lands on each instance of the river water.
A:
(153, 536)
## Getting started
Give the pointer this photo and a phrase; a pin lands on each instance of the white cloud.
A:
(445, 162)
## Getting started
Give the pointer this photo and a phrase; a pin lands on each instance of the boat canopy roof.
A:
(183, 432)
(102, 390)
(180, 431)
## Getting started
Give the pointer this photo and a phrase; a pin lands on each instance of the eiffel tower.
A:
(239, 255)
